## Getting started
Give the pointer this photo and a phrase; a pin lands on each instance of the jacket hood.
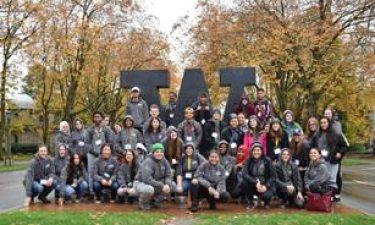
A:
(288, 112)
(285, 150)
(128, 117)
(170, 129)
(192, 145)
(223, 142)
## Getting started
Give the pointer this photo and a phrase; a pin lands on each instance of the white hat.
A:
(136, 89)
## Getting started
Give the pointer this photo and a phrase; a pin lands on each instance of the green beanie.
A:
(157, 146)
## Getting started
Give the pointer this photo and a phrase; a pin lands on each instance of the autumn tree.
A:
(18, 23)
(306, 52)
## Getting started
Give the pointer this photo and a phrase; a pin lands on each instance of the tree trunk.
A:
(3, 105)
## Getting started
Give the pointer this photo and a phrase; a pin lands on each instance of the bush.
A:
(24, 148)
(357, 147)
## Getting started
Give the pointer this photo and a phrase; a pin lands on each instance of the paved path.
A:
(12, 193)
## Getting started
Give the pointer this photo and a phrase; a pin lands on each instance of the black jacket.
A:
(271, 146)
(288, 174)
(259, 169)
(336, 144)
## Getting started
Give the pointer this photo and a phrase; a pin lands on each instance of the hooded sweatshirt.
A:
(189, 164)
(126, 174)
(77, 176)
(65, 139)
(288, 174)
(138, 109)
(156, 173)
(190, 131)
(226, 160)
(172, 151)
(209, 175)
(78, 141)
(60, 165)
(317, 174)
(242, 154)
(247, 109)
(130, 135)
(105, 169)
(97, 137)
(261, 170)
(39, 169)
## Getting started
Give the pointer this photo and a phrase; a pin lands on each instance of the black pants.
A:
(339, 181)
(249, 190)
(199, 192)
(283, 194)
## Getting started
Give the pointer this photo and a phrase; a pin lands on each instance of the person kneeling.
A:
(74, 180)
(154, 179)
(259, 178)
(104, 173)
(288, 181)
(39, 179)
(209, 182)
(126, 176)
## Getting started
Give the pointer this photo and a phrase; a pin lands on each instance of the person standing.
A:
(190, 130)
(262, 106)
(63, 137)
(137, 108)
(78, 140)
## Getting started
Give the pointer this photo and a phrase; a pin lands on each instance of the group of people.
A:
(146, 159)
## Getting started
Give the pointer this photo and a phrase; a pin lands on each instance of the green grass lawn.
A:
(287, 219)
(357, 161)
(145, 218)
(14, 167)
(78, 218)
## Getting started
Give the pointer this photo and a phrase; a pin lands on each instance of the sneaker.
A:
(282, 206)
(267, 206)
(98, 202)
(78, 200)
(337, 198)
(250, 206)
(194, 208)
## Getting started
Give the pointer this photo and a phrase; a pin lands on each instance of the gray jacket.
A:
(152, 138)
(317, 174)
(211, 176)
(78, 142)
(156, 173)
(195, 161)
(105, 169)
(39, 169)
(95, 139)
(190, 131)
(126, 174)
(226, 160)
(138, 110)
(130, 136)
(60, 164)
(80, 174)
(63, 138)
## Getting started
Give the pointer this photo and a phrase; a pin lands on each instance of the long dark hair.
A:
(150, 129)
(272, 134)
(134, 165)
(72, 168)
(330, 133)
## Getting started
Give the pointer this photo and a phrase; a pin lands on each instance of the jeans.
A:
(98, 187)
(82, 187)
(41, 190)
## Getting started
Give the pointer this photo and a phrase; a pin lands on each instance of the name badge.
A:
(43, 182)
(171, 115)
(277, 151)
(98, 142)
(226, 173)
(296, 162)
(48, 165)
(233, 145)
(218, 173)
(214, 135)
(128, 146)
(188, 175)
(324, 153)
(203, 121)
(189, 138)
(174, 161)
(81, 143)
